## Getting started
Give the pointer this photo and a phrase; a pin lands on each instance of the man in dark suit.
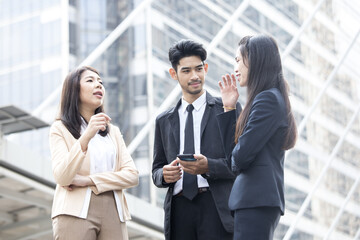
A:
(196, 204)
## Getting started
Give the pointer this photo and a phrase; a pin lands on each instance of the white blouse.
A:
(103, 155)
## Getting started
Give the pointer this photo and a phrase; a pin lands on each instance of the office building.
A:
(40, 41)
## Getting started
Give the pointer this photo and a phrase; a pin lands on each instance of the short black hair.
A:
(186, 48)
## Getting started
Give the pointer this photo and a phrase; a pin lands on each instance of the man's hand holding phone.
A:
(193, 163)
(172, 172)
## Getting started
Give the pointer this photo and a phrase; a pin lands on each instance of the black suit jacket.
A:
(166, 147)
(258, 157)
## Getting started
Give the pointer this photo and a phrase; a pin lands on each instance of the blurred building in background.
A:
(128, 42)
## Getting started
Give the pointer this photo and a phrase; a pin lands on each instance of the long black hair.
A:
(70, 101)
(261, 55)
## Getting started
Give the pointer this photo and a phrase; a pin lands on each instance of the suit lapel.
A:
(175, 125)
(210, 101)
(175, 121)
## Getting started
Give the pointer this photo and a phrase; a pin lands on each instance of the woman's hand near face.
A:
(229, 92)
(97, 122)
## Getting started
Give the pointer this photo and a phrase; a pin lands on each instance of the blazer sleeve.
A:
(159, 159)
(265, 117)
(221, 168)
(66, 163)
(227, 124)
(126, 175)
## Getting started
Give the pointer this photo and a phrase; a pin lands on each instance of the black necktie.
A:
(190, 187)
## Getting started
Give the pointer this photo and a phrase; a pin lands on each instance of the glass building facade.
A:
(41, 40)
(31, 59)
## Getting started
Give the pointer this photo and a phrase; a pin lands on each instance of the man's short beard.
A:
(195, 92)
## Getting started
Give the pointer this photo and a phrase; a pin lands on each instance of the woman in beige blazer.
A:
(90, 163)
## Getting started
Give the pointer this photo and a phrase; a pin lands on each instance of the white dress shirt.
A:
(102, 152)
(198, 112)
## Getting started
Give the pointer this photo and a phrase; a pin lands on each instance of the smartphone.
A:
(186, 157)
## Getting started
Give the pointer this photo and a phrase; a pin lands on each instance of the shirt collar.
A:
(198, 103)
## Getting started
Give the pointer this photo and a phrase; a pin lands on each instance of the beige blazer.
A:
(68, 160)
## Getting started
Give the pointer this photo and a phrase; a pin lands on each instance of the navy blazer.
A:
(166, 147)
(258, 157)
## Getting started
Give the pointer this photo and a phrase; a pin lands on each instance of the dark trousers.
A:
(197, 219)
(256, 223)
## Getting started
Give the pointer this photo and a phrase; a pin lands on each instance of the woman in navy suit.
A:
(264, 130)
